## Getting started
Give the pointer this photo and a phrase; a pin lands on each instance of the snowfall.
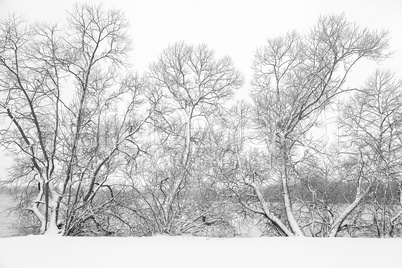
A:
(164, 251)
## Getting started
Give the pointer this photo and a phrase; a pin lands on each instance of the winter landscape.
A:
(200, 133)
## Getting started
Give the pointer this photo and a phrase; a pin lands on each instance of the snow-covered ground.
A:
(163, 251)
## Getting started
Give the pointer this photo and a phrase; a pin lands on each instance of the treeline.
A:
(101, 150)
(335, 193)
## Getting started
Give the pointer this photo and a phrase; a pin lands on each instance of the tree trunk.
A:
(269, 215)
(167, 206)
(336, 226)
(286, 195)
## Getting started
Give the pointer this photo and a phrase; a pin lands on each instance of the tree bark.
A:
(286, 195)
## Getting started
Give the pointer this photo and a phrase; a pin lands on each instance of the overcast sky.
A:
(234, 28)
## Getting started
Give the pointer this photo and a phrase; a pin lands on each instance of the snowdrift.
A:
(164, 251)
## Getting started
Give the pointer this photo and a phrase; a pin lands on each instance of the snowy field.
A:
(163, 251)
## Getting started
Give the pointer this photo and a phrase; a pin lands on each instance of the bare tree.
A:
(187, 87)
(371, 124)
(30, 87)
(71, 108)
(296, 77)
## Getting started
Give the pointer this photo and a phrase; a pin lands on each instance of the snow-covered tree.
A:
(70, 107)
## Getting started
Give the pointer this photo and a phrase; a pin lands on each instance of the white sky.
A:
(234, 28)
